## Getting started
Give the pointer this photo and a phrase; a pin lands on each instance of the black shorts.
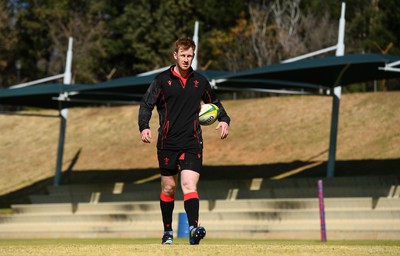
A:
(171, 161)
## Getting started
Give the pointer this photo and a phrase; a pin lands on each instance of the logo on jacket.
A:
(169, 82)
(196, 84)
(166, 161)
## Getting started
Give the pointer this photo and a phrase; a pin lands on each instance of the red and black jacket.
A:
(178, 105)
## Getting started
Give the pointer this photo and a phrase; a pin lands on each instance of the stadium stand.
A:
(355, 208)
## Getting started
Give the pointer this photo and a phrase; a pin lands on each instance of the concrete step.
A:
(120, 187)
(226, 183)
(312, 192)
(210, 194)
(360, 182)
(89, 208)
(277, 235)
(373, 186)
(331, 204)
(255, 226)
(232, 189)
(95, 197)
(146, 195)
(111, 188)
(233, 217)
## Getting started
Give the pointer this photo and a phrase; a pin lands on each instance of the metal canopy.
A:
(306, 75)
(312, 75)
(122, 91)
(60, 96)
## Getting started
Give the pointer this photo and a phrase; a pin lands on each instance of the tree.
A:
(121, 38)
(44, 27)
(318, 31)
(34, 42)
(231, 49)
(268, 35)
(143, 34)
(389, 19)
(84, 21)
(8, 41)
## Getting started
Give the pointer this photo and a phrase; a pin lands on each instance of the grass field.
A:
(212, 247)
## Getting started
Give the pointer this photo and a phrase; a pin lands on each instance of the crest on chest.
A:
(179, 84)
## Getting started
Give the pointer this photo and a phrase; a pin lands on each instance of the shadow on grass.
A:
(351, 168)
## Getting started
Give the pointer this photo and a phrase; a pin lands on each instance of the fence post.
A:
(322, 210)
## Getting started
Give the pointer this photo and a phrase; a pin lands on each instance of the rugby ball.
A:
(208, 114)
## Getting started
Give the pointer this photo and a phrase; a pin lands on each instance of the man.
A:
(177, 93)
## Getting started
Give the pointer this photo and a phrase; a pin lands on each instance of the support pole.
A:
(63, 118)
(334, 131)
(196, 41)
(60, 151)
(337, 92)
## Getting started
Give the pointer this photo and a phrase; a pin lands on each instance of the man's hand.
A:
(146, 135)
(224, 130)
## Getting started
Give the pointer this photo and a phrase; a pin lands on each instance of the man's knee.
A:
(169, 189)
(189, 186)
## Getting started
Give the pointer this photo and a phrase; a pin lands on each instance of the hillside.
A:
(263, 131)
